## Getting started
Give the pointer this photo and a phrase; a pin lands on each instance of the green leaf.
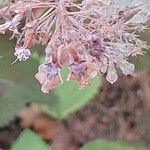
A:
(70, 97)
(105, 145)
(4, 115)
(4, 86)
(18, 95)
(28, 140)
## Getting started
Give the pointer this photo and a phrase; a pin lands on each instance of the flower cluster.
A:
(89, 37)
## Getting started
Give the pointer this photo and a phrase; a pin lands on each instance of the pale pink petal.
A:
(126, 67)
(41, 77)
(104, 64)
(112, 74)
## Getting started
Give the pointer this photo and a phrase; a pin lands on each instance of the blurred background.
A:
(99, 117)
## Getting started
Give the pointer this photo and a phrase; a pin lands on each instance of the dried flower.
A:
(81, 71)
(87, 36)
(48, 76)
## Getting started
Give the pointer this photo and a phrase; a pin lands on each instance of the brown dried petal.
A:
(50, 84)
(29, 39)
(73, 52)
(81, 71)
(63, 56)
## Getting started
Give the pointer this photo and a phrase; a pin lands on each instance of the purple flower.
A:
(22, 53)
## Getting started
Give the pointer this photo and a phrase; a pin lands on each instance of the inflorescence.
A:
(89, 37)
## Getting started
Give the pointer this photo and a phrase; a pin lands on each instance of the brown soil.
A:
(118, 111)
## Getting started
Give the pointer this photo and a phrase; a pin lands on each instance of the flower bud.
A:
(22, 53)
